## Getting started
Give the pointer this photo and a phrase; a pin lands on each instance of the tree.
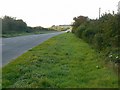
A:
(11, 25)
(78, 21)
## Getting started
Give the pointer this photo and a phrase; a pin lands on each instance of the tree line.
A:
(10, 25)
(103, 34)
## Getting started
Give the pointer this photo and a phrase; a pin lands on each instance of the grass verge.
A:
(24, 34)
(63, 61)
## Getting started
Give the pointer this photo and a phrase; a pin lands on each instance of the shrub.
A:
(88, 34)
(80, 30)
(103, 33)
(98, 41)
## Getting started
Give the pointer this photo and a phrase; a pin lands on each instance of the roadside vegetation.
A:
(64, 61)
(102, 34)
(12, 27)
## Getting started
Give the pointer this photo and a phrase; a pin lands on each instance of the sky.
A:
(54, 12)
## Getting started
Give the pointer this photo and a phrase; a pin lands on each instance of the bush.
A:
(80, 30)
(98, 41)
(88, 35)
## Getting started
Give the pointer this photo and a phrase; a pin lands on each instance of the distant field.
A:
(22, 34)
(63, 61)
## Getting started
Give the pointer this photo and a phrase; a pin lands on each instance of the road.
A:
(15, 46)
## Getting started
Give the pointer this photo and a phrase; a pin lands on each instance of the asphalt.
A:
(16, 46)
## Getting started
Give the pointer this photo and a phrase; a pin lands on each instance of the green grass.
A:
(64, 61)
(25, 33)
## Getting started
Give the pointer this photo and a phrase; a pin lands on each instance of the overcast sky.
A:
(54, 12)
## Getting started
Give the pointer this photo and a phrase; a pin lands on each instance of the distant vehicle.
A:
(68, 31)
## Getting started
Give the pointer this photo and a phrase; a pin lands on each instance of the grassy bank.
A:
(62, 61)
(25, 33)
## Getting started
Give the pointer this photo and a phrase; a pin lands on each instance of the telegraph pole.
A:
(99, 12)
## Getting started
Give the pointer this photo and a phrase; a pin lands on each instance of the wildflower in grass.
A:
(97, 67)
(117, 57)
(110, 55)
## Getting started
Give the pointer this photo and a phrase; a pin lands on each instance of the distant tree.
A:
(11, 25)
(78, 21)
(7, 24)
(21, 25)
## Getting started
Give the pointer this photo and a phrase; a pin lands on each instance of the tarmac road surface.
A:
(16, 46)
